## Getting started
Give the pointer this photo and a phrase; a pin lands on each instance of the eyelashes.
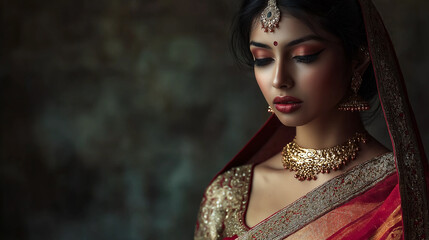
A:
(259, 62)
(308, 58)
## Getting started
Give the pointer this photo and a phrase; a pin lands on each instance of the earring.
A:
(270, 110)
(354, 102)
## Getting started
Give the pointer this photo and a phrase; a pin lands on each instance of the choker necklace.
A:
(310, 162)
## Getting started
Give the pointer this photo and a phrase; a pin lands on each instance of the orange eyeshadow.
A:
(261, 53)
(306, 50)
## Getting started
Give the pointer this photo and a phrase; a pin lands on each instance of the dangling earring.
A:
(354, 102)
(270, 110)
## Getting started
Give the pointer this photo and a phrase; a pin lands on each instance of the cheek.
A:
(263, 78)
(325, 82)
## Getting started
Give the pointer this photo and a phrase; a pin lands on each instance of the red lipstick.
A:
(287, 104)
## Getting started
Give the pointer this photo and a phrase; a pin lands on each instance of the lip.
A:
(287, 104)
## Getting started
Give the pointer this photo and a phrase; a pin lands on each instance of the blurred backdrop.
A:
(115, 114)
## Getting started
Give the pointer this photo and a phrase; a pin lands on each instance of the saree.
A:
(383, 198)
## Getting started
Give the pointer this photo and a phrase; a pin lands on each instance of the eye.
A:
(259, 62)
(307, 58)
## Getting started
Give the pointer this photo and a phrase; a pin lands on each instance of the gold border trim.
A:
(327, 196)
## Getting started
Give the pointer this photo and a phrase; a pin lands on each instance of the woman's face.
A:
(302, 75)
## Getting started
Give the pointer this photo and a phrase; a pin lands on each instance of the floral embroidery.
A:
(221, 211)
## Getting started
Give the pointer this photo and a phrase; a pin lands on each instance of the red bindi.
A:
(275, 43)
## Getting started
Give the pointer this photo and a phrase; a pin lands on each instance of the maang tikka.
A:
(270, 17)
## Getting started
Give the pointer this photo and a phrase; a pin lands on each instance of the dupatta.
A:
(405, 184)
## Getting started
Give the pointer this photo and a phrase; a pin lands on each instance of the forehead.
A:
(290, 28)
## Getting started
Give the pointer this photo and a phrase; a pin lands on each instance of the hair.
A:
(342, 18)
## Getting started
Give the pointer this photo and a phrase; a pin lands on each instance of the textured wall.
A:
(115, 114)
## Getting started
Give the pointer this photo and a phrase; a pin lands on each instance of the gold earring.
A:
(354, 102)
(270, 110)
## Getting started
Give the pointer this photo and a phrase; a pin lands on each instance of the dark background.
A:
(115, 114)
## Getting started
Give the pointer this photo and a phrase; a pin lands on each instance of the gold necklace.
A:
(310, 162)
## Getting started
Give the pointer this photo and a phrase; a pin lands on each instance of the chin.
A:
(292, 121)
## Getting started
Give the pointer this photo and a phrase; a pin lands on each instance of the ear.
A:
(362, 61)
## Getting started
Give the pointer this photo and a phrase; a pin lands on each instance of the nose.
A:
(282, 77)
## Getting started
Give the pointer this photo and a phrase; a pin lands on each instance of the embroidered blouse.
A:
(223, 208)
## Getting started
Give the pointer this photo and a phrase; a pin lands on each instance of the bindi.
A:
(275, 43)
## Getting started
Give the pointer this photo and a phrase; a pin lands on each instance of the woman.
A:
(318, 63)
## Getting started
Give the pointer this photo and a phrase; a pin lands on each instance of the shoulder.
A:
(231, 180)
(385, 160)
(225, 193)
(228, 189)
(388, 156)
(382, 164)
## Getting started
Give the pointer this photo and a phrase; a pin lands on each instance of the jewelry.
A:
(270, 17)
(354, 102)
(309, 162)
(275, 43)
(270, 109)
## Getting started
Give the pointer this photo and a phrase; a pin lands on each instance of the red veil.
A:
(411, 162)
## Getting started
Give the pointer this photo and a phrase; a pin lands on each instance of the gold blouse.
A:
(223, 207)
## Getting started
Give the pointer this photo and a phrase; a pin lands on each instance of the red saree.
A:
(366, 199)
(384, 198)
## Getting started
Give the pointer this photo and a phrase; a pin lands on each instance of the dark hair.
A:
(341, 18)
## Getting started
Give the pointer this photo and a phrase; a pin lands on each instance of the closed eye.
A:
(307, 58)
(259, 62)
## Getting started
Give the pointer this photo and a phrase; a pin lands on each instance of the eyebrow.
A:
(292, 43)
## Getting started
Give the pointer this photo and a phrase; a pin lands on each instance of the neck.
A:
(329, 130)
